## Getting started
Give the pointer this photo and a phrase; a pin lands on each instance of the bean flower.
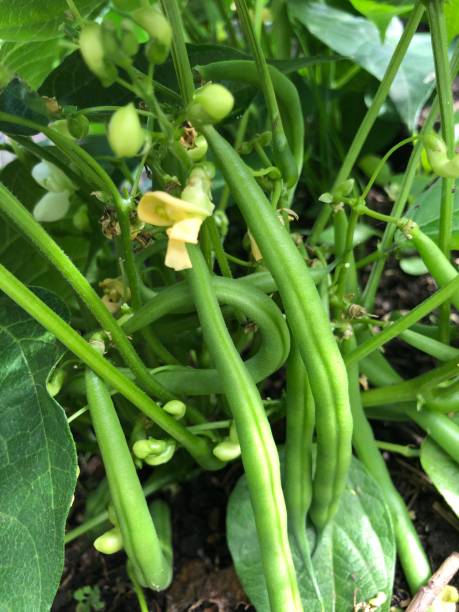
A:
(182, 216)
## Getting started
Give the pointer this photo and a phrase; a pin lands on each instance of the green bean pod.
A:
(298, 458)
(140, 538)
(309, 324)
(435, 260)
(275, 339)
(259, 453)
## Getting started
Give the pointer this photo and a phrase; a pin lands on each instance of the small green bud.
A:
(109, 40)
(62, 127)
(210, 104)
(227, 450)
(150, 446)
(52, 206)
(344, 189)
(109, 542)
(199, 149)
(56, 381)
(92, 49)
(176, 408)
(158, 28)
(78, 125)
(437, 156)
(163, 457)
(125, 133)
(326, 198)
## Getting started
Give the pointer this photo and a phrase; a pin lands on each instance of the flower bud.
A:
(51, 178)
(210, 104)
(92, 50)
(176, 408)
(438, 157)
(198, 150)
(109, 542)
(158, 28)
(150, 446)
(52, 207)
(78, 125)
(129, 42)
(164, 457)
(125, 133)
(227, 450)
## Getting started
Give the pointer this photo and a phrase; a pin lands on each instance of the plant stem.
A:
(179, 52)
(39, 311)
(372, 113)
(392, 331)
(405, 451)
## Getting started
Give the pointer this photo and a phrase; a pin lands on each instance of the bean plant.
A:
(199, 202)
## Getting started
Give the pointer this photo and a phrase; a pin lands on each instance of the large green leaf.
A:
(37, 463)
(30, 61)
(358, 39)
(442, 471)
(355, 557)
(31, 20)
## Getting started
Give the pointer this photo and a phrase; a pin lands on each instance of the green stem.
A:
(179, 52)
(392, 331)
(405, 451)
(39, 311)
(281, 149)
(372, 113)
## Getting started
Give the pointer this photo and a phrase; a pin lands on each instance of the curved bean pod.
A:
(275, 337)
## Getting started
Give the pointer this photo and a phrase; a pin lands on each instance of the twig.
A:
(426, 595)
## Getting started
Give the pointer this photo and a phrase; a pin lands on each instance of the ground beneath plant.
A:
(204, 579)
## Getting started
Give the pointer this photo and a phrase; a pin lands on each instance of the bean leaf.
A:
(37, 462)
(353, 562)
(358, 39)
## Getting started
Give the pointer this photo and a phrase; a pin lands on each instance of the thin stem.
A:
(405, 451)
(380, 165)
(392, 331)
(281, 149)
(372, 113)
(179, 52)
